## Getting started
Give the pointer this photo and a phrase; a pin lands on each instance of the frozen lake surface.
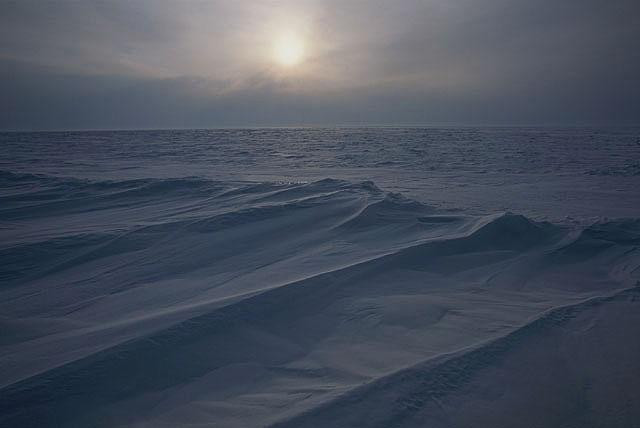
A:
(373, 277)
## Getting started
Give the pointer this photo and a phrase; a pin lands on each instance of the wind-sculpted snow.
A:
(565, 175)
(461, 389)
(190, 301)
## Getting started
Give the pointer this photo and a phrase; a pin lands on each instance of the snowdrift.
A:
(192, 302)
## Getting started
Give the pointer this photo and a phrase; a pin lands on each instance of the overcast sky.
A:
(177, 64)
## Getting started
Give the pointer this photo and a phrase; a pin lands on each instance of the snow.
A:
(217, 300)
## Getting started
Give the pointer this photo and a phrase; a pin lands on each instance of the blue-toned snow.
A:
(376, 277)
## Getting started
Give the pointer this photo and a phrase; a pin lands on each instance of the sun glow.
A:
(288, 50)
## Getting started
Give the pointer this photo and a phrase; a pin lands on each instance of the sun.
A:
(288, 50)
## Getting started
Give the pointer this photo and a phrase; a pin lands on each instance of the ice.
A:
(316, 297)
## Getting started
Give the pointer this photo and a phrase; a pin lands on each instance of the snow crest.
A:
(188, 301)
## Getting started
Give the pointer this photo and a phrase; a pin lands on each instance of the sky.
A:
(132, 64)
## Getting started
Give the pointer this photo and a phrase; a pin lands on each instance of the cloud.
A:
(167, 63)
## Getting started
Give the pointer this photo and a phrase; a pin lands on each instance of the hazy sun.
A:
(288, 50)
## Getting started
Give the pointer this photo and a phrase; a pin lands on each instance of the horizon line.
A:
(322, 126)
